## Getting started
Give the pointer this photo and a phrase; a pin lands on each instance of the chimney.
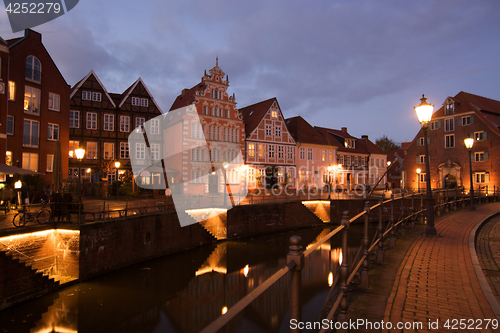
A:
(364, 137)
(344, 129)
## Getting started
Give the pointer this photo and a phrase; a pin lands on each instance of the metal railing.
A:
(409, 214)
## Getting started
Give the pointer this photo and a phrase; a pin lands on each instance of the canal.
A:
(186, 291)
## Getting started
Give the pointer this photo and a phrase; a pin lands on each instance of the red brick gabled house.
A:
(36, 114)
(462, 116)
(270, 148)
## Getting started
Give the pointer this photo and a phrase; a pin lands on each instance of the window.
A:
(30, 161)
(449, 125)
(86, 95)
(341, 159)
(274, 114)
(92, 150)
(271, 151)
(139, 124)
(72, 146)
(31, 100)
(480, 156)
(302, 153)
(109, 150)
(277, 131)
(331, 156)
(421, 159)
(12, 90)
(363, 161)
(136, 101)
(8, 158)
(251, 149)
(52, 132)
(226, 113)
(154, 126)
(356, 161)
(348, 160)
(421, 141)
(30, 133)
(10, 125)
(74, 119)
(449, 109)
(281, 152)
(435, 125)
(480, 136)
(309, 154)
(269, 129)
(155, 151)
(466, 121)
(449, 140)
(124, 150)
(205, 110)
(261, 150)
(421, 177)
(33, 69)
(481, 177)
(109, 122)
(54, 101)
(289, 151)
(124, 123)
(140, 151)
(91, 120)
(50, 162)
(96, 96)
(144, 102)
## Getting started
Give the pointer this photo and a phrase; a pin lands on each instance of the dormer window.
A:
(450, 109)
(33, 69)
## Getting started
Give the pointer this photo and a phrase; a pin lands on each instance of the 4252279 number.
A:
(33, 8)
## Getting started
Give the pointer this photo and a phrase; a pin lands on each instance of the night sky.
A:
(357, 64)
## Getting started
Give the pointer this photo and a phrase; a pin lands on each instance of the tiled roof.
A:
(253, 114)
(336, 138)
(187, 97)
(303, 132)
(370, 147)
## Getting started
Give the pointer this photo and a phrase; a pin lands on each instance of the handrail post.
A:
(393, 232)
(413, 210)
(344, 274)
(366, 244)
(380, 253)
(403, 229)
(297, 255)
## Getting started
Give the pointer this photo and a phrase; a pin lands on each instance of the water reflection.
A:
(187, 291)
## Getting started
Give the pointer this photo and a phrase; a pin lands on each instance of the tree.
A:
(386, 144)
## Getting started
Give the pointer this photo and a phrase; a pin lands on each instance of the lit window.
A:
(261, 150)
(109, 150)
(251, 149)
(449, 109)
(54, 101)
(52, 132)
(30, 161)
(74, 119)
(33, 69)
(274, 114)
(8, 158)
(12, 90)
(92, 150)
(31, 100)
(50, 162)
(72, 146)
(323, 155)
(109, 122)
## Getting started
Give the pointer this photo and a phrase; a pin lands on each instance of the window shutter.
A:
(472, 120)
(487, 177)
(418, 159)
(418, 142)
(485, 135)
(485, 156)
(459, 121)
(428, 140)
(439, 124)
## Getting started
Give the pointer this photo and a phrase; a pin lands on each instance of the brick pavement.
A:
(488, 252)
(437, 280)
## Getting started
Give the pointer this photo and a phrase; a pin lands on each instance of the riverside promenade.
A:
(440, 280)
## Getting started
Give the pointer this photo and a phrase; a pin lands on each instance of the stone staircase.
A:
(320, 208)
(20, 282)
(214, 220)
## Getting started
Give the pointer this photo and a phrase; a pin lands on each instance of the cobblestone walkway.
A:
(437, 283)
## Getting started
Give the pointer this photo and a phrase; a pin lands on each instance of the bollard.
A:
(366, 244)
(393, 232)
(403, 229)
(297, 256)
(344, 274)
(380, 253)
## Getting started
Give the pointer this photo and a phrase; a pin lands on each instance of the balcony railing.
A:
(30, 141)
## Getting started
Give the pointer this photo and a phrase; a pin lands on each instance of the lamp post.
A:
(469, 142)
(117, 165)
(225, 165)
(80, 153)
(418, 179)
(329, 182)
(424, 114)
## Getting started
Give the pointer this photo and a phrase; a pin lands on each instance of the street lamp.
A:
(117, 165)
(469, 142)
(418, 179)
(424, 114)
(225, 165)
(80, 153)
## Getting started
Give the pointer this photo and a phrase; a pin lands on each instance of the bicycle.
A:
(41, 214)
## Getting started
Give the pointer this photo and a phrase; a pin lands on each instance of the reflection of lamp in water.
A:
(245, 271)
(340, 258)
(224, 310)
(330, 279)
